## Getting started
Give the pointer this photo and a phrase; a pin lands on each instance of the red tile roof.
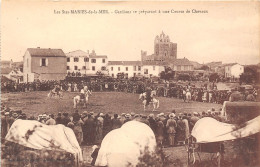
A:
(46, 52)
(6, 70)
(181, 62)
(127, 63)
(77, 53)
(98, 56)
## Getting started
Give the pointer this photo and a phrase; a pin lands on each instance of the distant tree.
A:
(204, 67)
(246, 78)
(100, 73)
(214, 77)
(184, 77)
(167, 74)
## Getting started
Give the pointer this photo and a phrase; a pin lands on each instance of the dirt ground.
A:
(35, 103)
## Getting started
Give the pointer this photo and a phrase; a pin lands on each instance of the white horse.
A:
(54, 93)
(188, 96)
(153, 101)
(77, 99)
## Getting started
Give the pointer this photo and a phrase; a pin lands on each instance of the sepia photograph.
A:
(130, 83)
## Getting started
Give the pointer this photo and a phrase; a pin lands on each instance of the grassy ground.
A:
(34, 103)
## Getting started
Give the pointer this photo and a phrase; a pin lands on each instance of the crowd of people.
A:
(170, 129)
(203, 93)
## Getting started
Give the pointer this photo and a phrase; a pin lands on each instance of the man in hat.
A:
(65, 119)
(144, 120)
(51, 120)
(152, 122)
(171, 126)
(194, 118)
(122, 118)
(59, 119)
(116, 123)
(128, 118)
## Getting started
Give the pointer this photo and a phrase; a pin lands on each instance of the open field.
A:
(34, 103)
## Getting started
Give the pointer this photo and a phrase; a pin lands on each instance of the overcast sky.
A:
(229, 32)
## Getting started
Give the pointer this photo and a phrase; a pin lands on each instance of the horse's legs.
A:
(154, 106)
(75, 102)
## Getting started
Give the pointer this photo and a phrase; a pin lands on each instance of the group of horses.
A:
(78, 100)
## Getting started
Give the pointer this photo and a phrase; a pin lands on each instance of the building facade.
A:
(86, 63)
(233, 70)
(127, 68)
(44, 64)
(135, 68)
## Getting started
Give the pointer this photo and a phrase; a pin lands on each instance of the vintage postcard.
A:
(112, 83)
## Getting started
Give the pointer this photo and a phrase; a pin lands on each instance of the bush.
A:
(153, 159)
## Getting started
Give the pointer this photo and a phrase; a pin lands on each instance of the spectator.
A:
(171, 126)
(51, 120)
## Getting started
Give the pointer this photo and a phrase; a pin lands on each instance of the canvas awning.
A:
(123, 146)
(208, 130)
(36, 135)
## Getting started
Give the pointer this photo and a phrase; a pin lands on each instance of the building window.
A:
(44, 62)
(134, 68)
(134, 74)
(145, 71)
(179, 68)
(68, 67)
(93, 60)
(68, 59)
(112, 68)
(103, 68)
(86, 59)
(75, 67)
(76, 59)
(84, 67)
(126, 68)
(139, 68)
(103, 60)
(93, 68)
(153, 67)
(113, 75)
(118, 68)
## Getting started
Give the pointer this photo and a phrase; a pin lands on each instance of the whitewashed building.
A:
(233, 70)
(14, 75)
(134, 68)
(86, 63)
(128, 68)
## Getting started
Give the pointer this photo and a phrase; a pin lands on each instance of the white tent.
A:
(36, 135)
(123, 146)
(208, 130)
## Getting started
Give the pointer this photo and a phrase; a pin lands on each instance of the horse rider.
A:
(84, 93)
(148, 97)
(56, 90)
